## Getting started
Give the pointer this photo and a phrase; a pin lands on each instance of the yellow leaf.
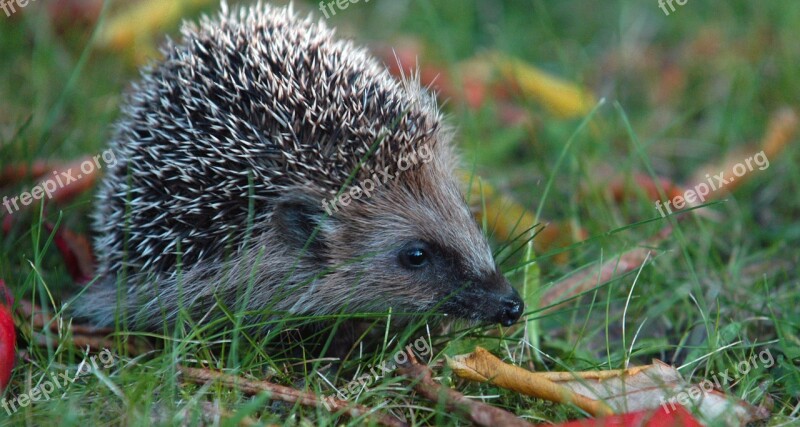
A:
(506, 219)
(558, 96)
(140, 22)
(504, 216)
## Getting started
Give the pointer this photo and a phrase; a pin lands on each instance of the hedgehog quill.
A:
(225, 149)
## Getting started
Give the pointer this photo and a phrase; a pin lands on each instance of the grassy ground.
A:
(694, 86)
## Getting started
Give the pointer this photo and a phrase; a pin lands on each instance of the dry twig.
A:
(96, 338)
(287, 394)
(478, 412)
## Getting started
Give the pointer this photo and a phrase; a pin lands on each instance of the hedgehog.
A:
(246, 156)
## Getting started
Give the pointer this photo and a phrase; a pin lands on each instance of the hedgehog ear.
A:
(300, 221)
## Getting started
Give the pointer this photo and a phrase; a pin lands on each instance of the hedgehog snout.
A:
(506, 305)
(491, 300)
(510, 308)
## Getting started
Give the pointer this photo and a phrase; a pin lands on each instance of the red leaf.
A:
(76, 252)
(18, 172)
(68, 14)
(661, 417)
(8, 337)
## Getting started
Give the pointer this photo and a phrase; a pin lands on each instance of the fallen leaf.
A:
(81, 336)
(134, 28)
(593, 277)
(67, 14)
(15, 173)
(477, 76)
(506, 220)
(659, 384)
(703, 186)
(494, 75)
(515, 116)
(58, 182)
(83, 181)
(780, 132)
(479, 413)
(559, 96)
(290, 395)
(403, 60)
(483, 366)
(8, 222)
(621, 189)
(39, 319)
(660, 417)
(599, 392)
(505, 217)
(76, 251)
(671, 84)
(8, 336)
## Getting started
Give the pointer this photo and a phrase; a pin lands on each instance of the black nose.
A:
(510, 309)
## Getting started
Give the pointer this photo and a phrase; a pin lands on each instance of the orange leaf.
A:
(483, 366)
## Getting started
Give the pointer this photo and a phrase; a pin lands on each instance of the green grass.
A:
(716, 293)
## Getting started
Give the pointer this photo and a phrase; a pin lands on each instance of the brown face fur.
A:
(366, 246)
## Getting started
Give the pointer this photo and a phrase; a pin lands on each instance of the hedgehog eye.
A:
(415, 256)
